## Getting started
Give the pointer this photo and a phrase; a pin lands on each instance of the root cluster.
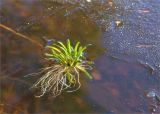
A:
(54, 80)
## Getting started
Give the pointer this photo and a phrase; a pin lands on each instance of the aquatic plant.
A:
(64, 74)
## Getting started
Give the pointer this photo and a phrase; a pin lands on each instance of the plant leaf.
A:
(85, 72)
(69, 46)
(75, 49)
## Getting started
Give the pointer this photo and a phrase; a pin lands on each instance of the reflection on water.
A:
(119, 85)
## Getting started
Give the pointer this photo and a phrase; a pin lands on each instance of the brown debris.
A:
(96, 75)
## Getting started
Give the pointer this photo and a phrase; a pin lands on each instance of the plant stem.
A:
(21, 35)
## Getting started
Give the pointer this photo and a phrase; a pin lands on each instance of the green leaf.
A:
(85, 72)
(62, 48)
(50, 55)
(63, 45)
(69, 46)
(54, 48)
(75, 49)
(79, 53)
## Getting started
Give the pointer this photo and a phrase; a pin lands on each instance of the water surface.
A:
(126, 54)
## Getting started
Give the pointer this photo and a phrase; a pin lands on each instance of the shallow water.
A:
(125, 37)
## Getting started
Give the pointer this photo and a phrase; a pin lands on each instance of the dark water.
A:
(126, 50)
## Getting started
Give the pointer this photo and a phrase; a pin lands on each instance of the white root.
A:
(54, 79)
(79, 84)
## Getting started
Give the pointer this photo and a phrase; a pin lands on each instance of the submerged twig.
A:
(21, 35)
(146, 65)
